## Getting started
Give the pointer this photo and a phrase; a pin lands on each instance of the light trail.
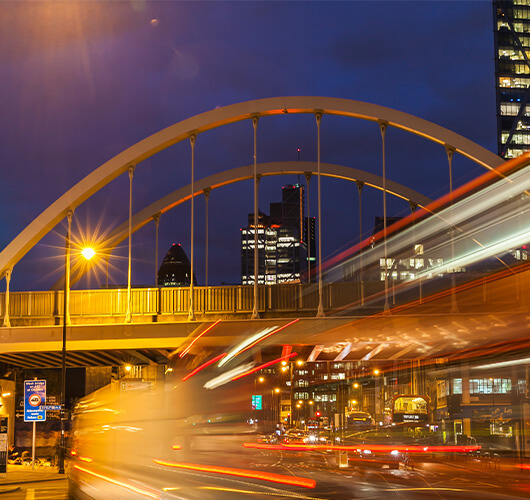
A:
(203, 366)
(185, 351)
(265, 365)
(250, 342)
(251, 474)
(127, 486)
(364, 447)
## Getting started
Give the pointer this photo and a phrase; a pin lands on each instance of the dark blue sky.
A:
(80, 82)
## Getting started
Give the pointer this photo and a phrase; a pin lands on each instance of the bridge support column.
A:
(191, 312)
(255, 313)
(7, 323)
(206, 192)
(360, 186)
(383, 125)
(450, 152)
(320, 310)
(128, 314)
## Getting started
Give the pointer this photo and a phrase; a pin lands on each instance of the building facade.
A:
(283, 240)
(512, 76)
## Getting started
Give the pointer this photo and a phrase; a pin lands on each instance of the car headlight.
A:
(367, 452)
(394, 452)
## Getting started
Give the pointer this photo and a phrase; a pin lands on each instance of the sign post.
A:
(34, 398)
(3, 446)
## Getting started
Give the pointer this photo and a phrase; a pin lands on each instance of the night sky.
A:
(81, 82)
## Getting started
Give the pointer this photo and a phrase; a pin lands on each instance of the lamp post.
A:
(87, 253)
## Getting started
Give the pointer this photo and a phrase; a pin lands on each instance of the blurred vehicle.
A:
(357, 420)
(195, 431)
(268, 438)
(296, 436)
(410, 409)
(372, 455)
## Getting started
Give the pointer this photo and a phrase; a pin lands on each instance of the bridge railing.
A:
(110, 305)
(296, 298)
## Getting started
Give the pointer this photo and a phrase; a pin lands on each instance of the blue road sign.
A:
(34, 398)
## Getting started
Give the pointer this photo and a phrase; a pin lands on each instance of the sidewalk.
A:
(18, 474)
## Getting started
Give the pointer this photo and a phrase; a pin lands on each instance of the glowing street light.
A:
(88, 253)
(376, 372)
(262, 379)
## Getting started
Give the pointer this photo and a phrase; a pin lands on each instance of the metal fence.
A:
(295, 298)
(284, 299)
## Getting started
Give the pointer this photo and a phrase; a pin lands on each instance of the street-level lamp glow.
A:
(298, 406)
(284, 368)
(277, 390)
(5, 394)
(262, 379)
(128, 368)
(300, 362)
(284, 363)
(353, 402)
(310, 402)
(356, 385)
(376, 372)
(300, 402)
(88, 253)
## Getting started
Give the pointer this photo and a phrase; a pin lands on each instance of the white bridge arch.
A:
(209, 120)
(232, 176)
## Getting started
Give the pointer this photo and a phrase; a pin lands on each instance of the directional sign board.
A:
(34, 398)
(257, 402)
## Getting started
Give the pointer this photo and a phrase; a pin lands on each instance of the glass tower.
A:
(512, 76)
(283, 241)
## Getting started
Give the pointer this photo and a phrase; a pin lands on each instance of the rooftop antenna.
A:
(298, 151)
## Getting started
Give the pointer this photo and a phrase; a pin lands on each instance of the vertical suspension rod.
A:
(255, 313)
(320, 311)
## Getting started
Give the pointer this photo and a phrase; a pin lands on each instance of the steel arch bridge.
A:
(250, 110)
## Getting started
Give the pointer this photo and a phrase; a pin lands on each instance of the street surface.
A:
(47, 490)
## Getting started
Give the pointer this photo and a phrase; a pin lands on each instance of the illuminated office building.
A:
(512, 76)
(282, 241)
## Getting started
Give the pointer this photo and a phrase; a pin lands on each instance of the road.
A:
(46, 490)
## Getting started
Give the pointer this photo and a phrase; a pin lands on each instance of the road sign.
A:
(34, 398)
(257, 402)
(49, 407)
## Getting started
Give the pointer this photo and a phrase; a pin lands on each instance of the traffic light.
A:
(317, 414)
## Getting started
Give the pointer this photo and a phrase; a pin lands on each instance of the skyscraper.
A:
(175, 269)
(283, 238)
(512, 76)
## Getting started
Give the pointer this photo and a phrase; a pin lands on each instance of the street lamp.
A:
(87, 253)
